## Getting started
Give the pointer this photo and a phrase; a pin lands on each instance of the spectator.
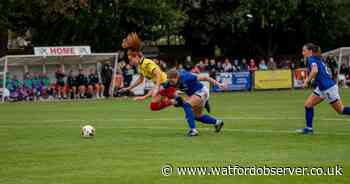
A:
(333, 66)
(201, 66)
(195, 69)
(271, 65)
(106, 75)
(262, 65)
(180, 67)
(343, 72)
(118, 84)
(95, 88)
(46, 83)
(252, 66)
(71, 85)
(128, 73)
(244, 65)
(206, 64)
(219, 67)
(28, 87)
(227, 66)
(82, 82)
(236, 65)
(60, 82)
(212, 68)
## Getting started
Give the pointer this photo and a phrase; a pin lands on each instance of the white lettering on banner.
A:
(62, 51)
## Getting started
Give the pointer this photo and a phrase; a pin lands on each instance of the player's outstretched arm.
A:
(135, 84)
(212, 81)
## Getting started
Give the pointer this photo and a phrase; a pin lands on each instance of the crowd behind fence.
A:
(93, 83)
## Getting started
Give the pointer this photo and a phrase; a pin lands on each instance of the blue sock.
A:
(189, 115)
(346, 110)
(206, 119)
(309, 115)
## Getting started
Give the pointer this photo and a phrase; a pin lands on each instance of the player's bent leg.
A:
(207, 119)
(160, 102)
(339, 107)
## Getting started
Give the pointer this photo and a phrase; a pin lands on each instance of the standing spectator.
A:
(236, 65)
(118, 83)
(206, 64)
(212, 68)
(219, 67)
(60, 83)
(333, 66)
(252, 66)
(106, 75)
(271, 65)
(180, 67)
(201, 66)
(227, 66)
(195, 69)
(128, 73)
(244, 65)
(343, 72)
(262, 65)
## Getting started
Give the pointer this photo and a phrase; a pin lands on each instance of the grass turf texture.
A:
(40, 142)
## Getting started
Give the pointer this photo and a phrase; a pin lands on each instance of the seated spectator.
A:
(60, 82)
(28, 87)
(262, 65)
(72, 85)
(271, 65)
(37, 86)
(252, 66)
(46, 84)
(82, 82)
(227, 66)
(14, 85)
(95, 88)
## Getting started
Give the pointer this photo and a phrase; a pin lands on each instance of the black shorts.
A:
(60, 83)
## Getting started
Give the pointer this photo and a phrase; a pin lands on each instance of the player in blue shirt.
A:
(197, 95)
(326, 88)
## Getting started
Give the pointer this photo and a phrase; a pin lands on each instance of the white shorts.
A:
(203, 94)
(331, 95)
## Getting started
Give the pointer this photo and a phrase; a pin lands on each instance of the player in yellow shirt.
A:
(161, 97)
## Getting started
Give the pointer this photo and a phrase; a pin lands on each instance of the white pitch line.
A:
(225, 129)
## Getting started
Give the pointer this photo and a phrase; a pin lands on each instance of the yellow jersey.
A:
(146, 67)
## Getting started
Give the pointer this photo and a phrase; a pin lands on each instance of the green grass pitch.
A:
(40, 142)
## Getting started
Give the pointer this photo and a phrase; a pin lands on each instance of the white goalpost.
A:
(48, 59)
(341, 55)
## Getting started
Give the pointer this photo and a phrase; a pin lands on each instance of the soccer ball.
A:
(87, 131)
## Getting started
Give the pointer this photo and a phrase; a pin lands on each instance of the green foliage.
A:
(264, 27)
